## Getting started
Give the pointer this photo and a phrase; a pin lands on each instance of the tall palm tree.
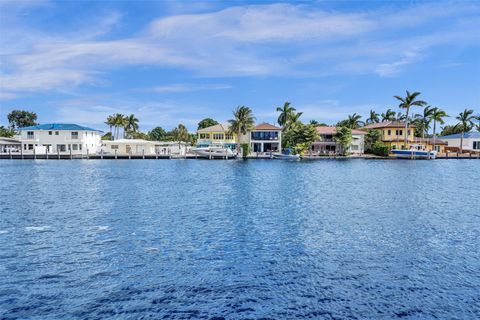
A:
(118, 122)
(465, 119)
(389, 115)
(422, 121)
(437, 115)
(286, 113)
(111, 123)
(241, 123)
(131, 124)
(354, 122)
(374, 117)
(406, 103)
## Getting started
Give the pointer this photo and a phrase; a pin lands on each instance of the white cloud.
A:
(182, 87)
(276, 39)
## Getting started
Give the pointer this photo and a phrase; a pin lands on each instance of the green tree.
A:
(422, 122)
(287, 115)
(373, 118)
(6, 132)
(373, 136)
(448, 130)
(21, 118)
(299, 136)
(157, 134)
(107, 136)
(465, 119)
(205, 123)
(241, 123)
(343, 138)
(410, 100)
(389, 115)
(353, 122)
(116, 121)
(437, 116)
(110, 123)
(180, 133)
(380, 149)
(130, 125)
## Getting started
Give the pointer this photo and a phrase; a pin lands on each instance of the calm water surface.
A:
(193, 239)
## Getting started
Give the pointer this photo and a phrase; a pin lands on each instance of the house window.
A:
(79, 147)
(218, 136)
(476, 145)
(204, 136)
(408, 132)
(30, 147)
(50, 133)
(399, 132)
(389, 132)
(394, 147)
(56, 133)
(74, 135)
(114, 147)
(30, 135)
(228, 136)
(74, 147)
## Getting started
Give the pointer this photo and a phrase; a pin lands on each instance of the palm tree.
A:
(111, 123)
(354, 122)
(285, 114)
(465, 119)
(406, 103)
(131, 124)
(241, 123)
(423, 121)
(314, 122)
(118, 122)
(437, 115)
(374, 117)
(389, 115)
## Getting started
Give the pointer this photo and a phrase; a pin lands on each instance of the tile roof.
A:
(220, 127)
(466, 135)
(266, 126)
(59, 126)
(388, 124)
(333, 130)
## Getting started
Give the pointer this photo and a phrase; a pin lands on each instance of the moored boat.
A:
(282, 156)
(415, 152)
(214, 152)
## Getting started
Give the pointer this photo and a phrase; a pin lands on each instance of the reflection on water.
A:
(239, 239)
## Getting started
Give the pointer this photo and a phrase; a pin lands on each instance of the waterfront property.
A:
(10, 145)
(265, 138)
(392, 134)
(216, 135)
(59, 138)
(142, 147)
(471, 141)
(328, 146)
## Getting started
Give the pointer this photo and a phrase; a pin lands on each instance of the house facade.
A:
(265, 138)
(59, 138)
(393, 135)
(471, 141)
(327, 144)
(140, 147)
(216, 135)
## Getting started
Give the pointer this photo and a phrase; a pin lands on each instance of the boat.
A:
(214, 152)
(287, 154)
(416, 151)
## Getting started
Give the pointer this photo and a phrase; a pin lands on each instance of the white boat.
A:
(415, 152)
(214, 152)
(282, 156)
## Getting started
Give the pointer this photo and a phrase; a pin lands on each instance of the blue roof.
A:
(59, 126)
(466, 135)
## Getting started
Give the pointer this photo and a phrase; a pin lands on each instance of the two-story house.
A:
(216, 135)
(393, 135)
(59, 138)
(265, 138)
(328, 145)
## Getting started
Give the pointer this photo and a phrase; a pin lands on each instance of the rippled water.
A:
(239, 239)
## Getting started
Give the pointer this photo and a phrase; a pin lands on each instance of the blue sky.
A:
(176, 62)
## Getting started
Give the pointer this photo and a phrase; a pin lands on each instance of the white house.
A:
(327, 144)
(59, 138)
(471, 141)
(265, 138)
(142, 147)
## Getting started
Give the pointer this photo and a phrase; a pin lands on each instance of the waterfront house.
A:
(61, 138)
(471, 141)
(327, 144)
(218, 135)
(142, 147)
(393, 135)
(265, 138)
(10, 145)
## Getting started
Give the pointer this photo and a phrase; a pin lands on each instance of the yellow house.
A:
(217, 134)
(393, 135)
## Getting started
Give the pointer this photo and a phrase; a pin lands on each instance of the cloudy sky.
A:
(176, 62)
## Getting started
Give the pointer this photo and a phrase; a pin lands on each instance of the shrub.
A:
(380, 149)
(245, 149)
